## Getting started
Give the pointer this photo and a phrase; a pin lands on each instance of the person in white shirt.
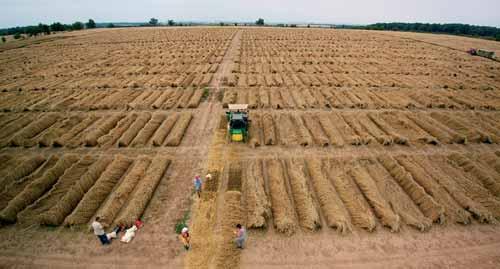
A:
(99, 231)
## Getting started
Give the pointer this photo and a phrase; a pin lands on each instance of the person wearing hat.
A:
(185, 237)
(197, 185)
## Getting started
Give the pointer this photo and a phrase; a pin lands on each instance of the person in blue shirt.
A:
(197, 185)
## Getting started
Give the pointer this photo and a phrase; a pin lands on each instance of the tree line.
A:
(34, 30)
(447, 28)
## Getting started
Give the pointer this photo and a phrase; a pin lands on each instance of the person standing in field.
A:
(241, 236)
(99, 231)
(184, 236)
(197, 185)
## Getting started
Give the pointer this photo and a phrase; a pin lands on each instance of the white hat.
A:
(208, 176)
(184, 230)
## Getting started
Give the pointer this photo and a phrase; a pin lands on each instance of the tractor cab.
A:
(237, 122)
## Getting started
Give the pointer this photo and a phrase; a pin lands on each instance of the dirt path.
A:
(205, 229)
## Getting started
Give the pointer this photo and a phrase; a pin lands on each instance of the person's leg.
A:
(104, 239)
(185, 243)
(239, 242)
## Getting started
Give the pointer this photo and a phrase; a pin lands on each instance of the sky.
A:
(29, 12)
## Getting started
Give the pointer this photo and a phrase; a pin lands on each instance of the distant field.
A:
(356, 137)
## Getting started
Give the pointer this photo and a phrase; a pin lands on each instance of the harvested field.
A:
(344, 138)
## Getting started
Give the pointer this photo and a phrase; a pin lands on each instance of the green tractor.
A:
(237, 122)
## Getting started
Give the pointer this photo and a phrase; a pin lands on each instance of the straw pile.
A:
(143, 192)
(100, 130)
(15, 126)
(456, 191)
(164, 130)
(353, 199)
(134, 129)
(312, 123)
(60, 188)
(118, 198)
(334, 136)
(11, 190)
(98, 192)
(399, 201)
(281, 205)
(425, 202)
(257, 204)
(307, 212)
(380, 206)
(122, 126)
(468, 166)
(36, 189)
(332, 206)
(58, 130)
(56, 215)
(148, 130)
(177, 133)
(67, 137)
(34, 129)
(254, 131)
(269, 132)
(453, 211)
(25, 168)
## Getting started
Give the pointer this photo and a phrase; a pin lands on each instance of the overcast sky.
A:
(24, 12)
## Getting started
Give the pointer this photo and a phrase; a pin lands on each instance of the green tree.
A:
(90, 24)
(3, 39)
(171, 22)
(221, 23)
(153, 21)
(33, 30)
(57, 27)
(111, 25)
(497, 37)
(44, 28)
(260, 21)
(17, 35)
(77, 26)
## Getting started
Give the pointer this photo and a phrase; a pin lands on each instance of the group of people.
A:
(105, 238)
